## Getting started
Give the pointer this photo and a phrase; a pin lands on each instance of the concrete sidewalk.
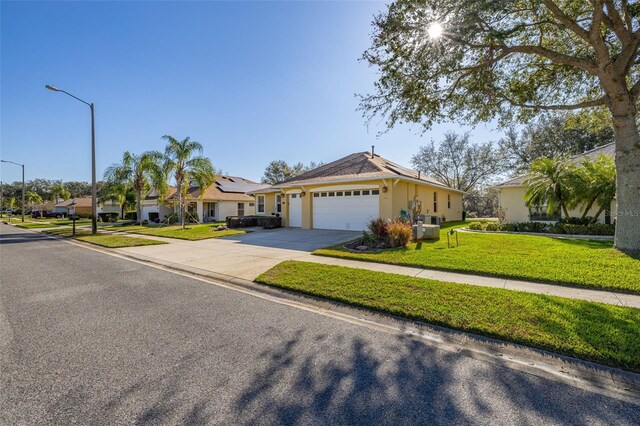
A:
(247, 256)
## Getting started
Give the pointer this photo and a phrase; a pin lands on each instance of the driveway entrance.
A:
(244, 256)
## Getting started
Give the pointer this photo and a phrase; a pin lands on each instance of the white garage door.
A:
(295, 210)
(345, 210)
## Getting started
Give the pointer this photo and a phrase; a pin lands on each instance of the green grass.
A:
(31, 225)
(104, 240)
(584, 263)
(192, 232)
(596, 332)
(30, 222)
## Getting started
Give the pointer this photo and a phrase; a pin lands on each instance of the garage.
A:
(345, 210)
(295, 210)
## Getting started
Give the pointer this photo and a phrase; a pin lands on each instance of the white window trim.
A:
(258, 204)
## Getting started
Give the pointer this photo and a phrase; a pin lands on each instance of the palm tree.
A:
(597, 184)
(59, 191)
(184, 160)
(120, 193)
(140, 172)
(32, 199)
(549, 182)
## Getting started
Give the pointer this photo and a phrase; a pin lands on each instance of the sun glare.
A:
(435, 30)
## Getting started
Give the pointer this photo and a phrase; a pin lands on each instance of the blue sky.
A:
(251, 81)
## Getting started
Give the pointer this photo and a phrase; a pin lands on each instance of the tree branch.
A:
(566, 21)
(596, 102)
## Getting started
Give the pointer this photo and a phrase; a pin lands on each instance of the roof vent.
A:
(373, 148)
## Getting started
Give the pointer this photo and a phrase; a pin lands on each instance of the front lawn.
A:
(104, 240)
(592, 331)
(192, 232)
(585, 263)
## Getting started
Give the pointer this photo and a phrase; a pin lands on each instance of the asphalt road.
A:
(89, 338)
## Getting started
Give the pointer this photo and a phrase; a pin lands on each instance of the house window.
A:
(260, 203)
(240, 209)
(212, 210)
(375, 192)
(294, 195)
(435, 202)
(339, 194)
(316, 194)
(347, 193)
(448, 201)
(356, 192)
(365, 192)
(323, 194)
(331, 194)
(278, 203)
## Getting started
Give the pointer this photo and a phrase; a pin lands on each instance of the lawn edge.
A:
(477, 273)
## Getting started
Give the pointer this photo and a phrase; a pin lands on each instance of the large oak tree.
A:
(513, 59)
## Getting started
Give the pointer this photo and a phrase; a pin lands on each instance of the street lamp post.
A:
(21, 165)
(94, 192)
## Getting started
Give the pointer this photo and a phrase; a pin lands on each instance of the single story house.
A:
(512, 200)
(82, 206)
(228, 196)
(347, 193)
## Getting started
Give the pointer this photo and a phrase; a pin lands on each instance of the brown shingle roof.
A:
(358, 166)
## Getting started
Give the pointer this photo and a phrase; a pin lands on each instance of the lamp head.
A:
(50, 87)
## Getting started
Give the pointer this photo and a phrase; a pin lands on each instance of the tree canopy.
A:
(459, 163)
(279, 170)
(512, 59)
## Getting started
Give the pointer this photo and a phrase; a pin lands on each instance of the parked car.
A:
(36, 215)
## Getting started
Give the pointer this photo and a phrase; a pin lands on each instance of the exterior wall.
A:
(392, 201)
(269, 204)
(511, 200)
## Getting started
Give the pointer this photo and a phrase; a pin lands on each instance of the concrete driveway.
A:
(244, 256)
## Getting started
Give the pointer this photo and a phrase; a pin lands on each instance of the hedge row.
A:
(546, 228)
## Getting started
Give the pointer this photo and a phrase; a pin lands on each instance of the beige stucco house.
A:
(512, 201)
(347, 193)
(228, 196)
(81, 206)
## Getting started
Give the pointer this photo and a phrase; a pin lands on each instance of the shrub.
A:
(576, 220)
(108, 217)
(491, 226)
(508, 227)
(476, 226)
(131, 215)
(378, 228)
(398, 233)
(533, 227)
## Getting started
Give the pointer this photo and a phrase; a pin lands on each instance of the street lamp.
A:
(94, 192)
(21, 165)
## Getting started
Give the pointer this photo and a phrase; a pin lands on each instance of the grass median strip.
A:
(104, 240)
(583, 263)
(596, 332)
(192, 232)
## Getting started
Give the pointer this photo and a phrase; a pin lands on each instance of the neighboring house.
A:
(82, 207)
(347, 193)
(228, 196)
(512, 201)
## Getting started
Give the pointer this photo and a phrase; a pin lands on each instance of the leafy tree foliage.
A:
(512, 59)
(185, 162)
(140, 172)
(459, 163)
(550, 136)
(278, 171)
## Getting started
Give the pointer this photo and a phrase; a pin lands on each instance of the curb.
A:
(608, 381)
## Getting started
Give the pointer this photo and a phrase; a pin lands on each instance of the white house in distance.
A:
(512, 202)
(226, 197)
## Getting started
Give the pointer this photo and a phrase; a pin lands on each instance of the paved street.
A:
(90, 338)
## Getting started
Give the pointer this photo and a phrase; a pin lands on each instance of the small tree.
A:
(549, 182)
(184, 161)
(596, 185)
(140, 172)
(458, 163)
(59, 191)
(34, 199)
